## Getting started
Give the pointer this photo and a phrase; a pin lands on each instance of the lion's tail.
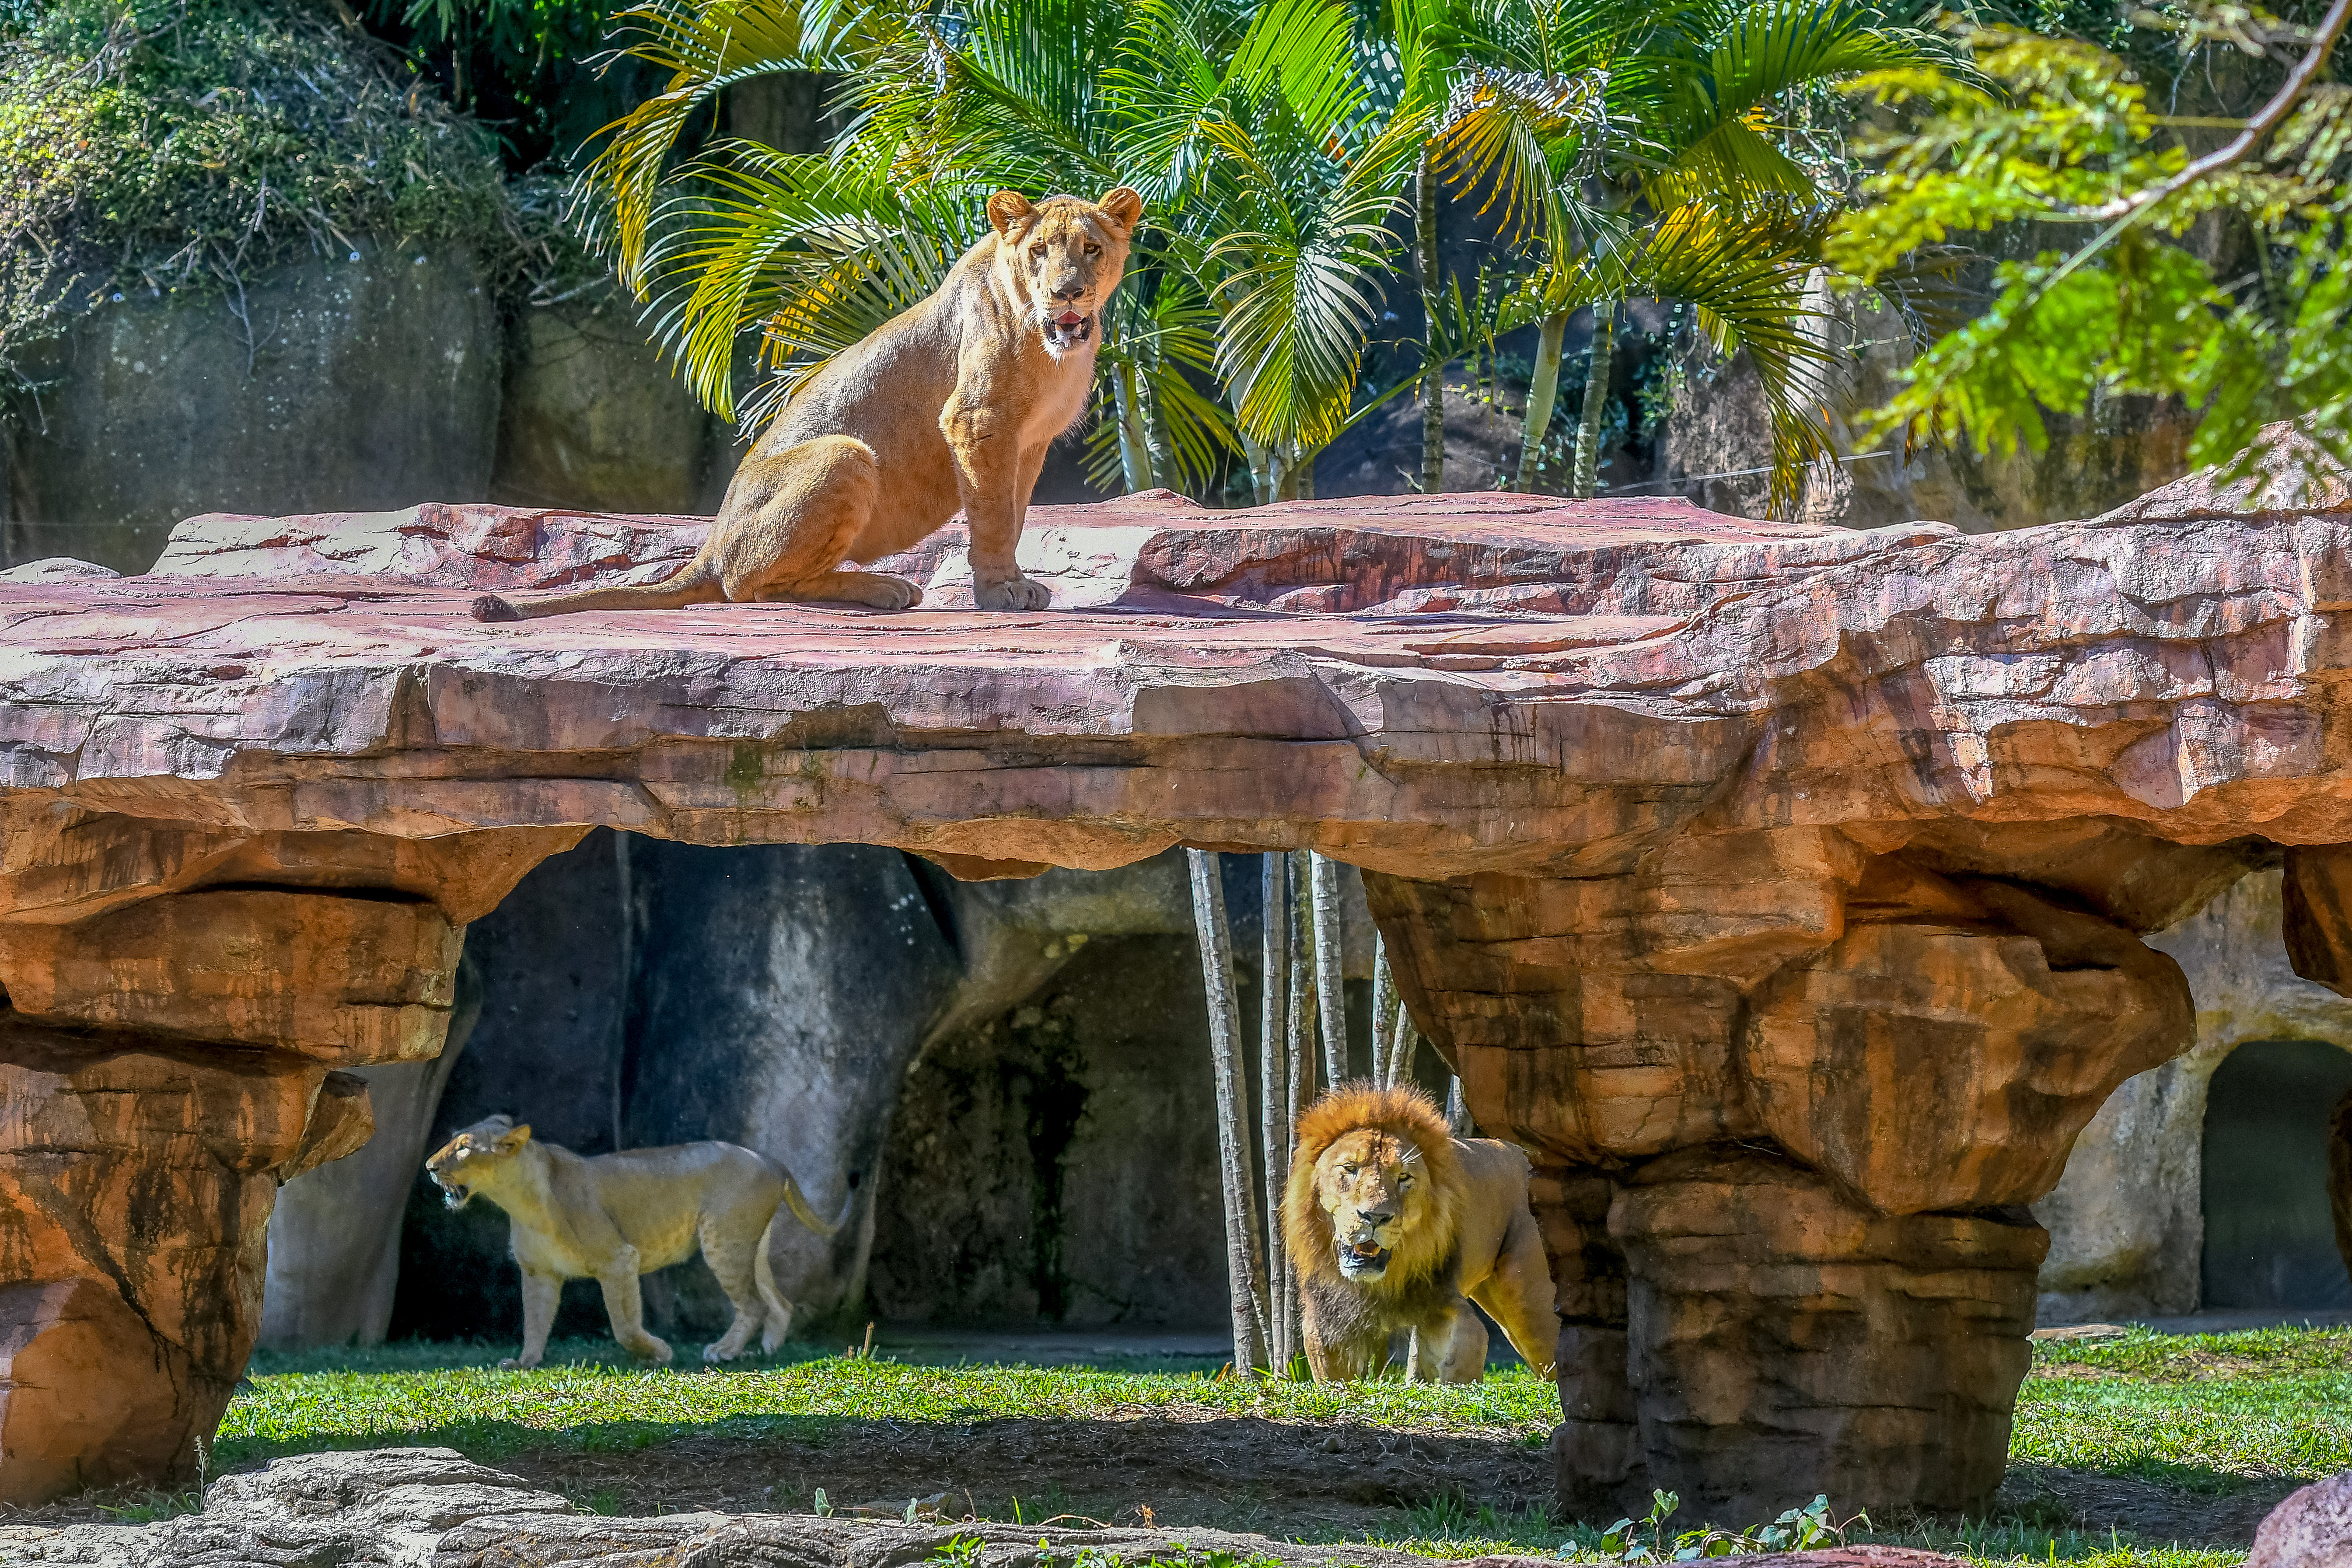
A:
(777, 1321)
(696, 583)
(797, 1201)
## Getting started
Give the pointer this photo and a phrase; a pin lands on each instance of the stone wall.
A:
(2126, 1225)
(876, 1027)
(345, 385)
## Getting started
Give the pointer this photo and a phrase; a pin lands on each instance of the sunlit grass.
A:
(597, 1405)
(2200, 1412)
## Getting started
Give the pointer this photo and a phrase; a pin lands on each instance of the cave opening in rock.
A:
(1007, 1083)
(2270, 1240)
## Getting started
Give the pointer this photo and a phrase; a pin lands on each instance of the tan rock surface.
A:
(136, 1181)
(340, 980)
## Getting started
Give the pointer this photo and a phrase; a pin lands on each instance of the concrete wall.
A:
(2126, 1221)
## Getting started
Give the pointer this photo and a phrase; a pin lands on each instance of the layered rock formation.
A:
(1778, 889)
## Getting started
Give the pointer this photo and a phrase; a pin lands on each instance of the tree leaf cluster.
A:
(154, 147)
(2229, 291)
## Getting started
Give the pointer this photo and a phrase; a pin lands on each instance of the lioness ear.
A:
(1122, 204)
(1006, 209)
(510, 1141)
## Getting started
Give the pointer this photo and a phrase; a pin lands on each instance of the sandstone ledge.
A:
(1429, 686)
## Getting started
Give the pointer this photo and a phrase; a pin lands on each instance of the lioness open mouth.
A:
(1068, 330)
(452, 1194)
(1363, 1257)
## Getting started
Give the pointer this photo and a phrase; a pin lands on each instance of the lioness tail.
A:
(797, 1201)
(695, 585)
(777, 1321)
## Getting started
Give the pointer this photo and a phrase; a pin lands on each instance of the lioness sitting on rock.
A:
(616, 1216)
(1395, 1224)
(949, 403)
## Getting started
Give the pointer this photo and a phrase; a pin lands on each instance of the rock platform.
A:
(1778, 889)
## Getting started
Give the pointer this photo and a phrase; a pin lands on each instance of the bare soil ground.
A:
(1231, 1473)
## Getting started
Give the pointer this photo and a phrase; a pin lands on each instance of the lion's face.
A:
(1376, 1191)
(463, 1163)
(1066, 257)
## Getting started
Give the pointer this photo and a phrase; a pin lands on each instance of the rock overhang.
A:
(1426, 685)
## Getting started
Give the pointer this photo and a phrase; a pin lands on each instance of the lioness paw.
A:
(1012, 593)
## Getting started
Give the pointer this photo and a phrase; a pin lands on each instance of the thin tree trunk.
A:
(1298, 1037)
(1432, 379)
(1261, 474)
(1274, 1097)
(1404, 1043)
(1330, 988)
(1383, 1014)
(1134, 444)
(1458, 1111)
(1586, 478)
(1244, 1275)
(1543, 392)
(1302, 982)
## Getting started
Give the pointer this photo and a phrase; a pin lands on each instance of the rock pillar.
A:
(1787, 1100)
(165, 1063)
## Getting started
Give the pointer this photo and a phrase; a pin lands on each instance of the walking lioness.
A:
(616, 1216)
(950, 403)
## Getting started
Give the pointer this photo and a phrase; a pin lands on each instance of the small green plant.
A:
(1645, 1539)
(823, 1504)
(962, 1552)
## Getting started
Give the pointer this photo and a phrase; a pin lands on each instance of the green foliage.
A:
(160, 146)
(2064, 138)
(1645, 1539)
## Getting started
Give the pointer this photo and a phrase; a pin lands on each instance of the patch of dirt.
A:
(1229, 1473)
(2086, 1501)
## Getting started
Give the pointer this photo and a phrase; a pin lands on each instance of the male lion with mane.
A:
(1394, 1222)
(948, 403)
(616, 1216)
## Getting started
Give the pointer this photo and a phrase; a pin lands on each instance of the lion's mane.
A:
(1423, 1254)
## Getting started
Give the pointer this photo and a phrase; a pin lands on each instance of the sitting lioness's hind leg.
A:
(878, 589)
(727, 1249)
(792, 517)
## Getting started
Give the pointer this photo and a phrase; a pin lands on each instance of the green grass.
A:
(592, 1402)
(2205, 1415)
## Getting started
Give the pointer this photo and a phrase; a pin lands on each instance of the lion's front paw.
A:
(650, 1349)
(519, 1362)
(1015, 593)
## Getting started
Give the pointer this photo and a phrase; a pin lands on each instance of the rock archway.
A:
(1778, 889)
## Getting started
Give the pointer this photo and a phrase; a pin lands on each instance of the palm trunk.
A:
(1134, 445)
(1261, 462)
(1302, 980)
(1244, 1275)
(1586, 478)
(1275, 1116)
(1404, 1044)
(1330, 993)
(1383, 1014)
(1543, 392)
(1299, 1039)
(1457, 1110)
(1432, 378)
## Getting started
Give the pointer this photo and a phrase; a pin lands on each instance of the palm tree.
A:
(1267, 180)
(1644, 147)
